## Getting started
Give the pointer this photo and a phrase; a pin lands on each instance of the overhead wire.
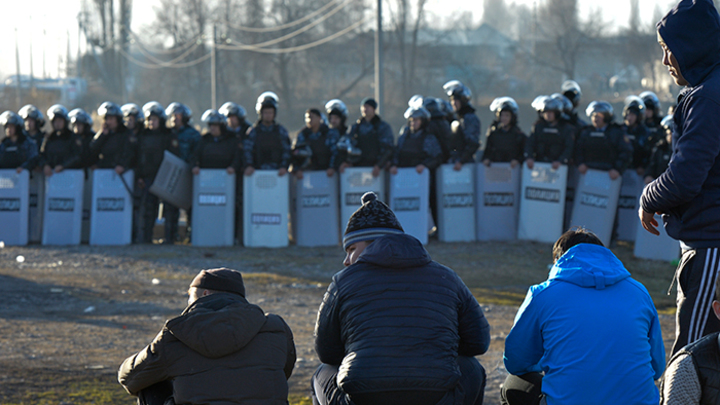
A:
(169, 62)
(287, 25)
(161, 66)
(194, 41)
(299, 31)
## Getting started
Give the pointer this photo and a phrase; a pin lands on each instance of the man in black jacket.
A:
(395, 327)
(220, 350)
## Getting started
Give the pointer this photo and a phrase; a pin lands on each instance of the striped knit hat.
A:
(371, 221)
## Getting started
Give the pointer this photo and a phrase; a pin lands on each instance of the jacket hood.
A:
(589, 266)
(218, 324)
(691, 30)
(395, 251)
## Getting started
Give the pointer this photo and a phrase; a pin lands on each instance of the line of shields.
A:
(476, 203)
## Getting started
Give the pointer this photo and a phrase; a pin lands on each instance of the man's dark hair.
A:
(571, 238)
(314, 111)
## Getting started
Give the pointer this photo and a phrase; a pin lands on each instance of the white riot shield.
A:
(14, 207)
(355, 182)
(87, 208)
(410, 199)
(62, 224)
(265, 208)
(649, 246)
(596, 201)
(627, 211)
(316, 211)
(572, 182)
(456, 203)
(498, 195)
(37, 200)
(213, 215)
(542, 206)
(111, 215)
(173, 182)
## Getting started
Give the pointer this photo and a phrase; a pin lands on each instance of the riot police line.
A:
(232, 182)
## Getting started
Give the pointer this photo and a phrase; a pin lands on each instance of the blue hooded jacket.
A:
(688, 192)
(592, 329)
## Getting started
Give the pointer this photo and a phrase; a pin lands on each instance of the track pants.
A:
(696, 276)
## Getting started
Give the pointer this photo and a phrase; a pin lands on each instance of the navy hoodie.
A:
(688, 192)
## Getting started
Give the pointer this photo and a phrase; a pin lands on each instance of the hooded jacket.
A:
(396, 321)
(220, 350)
(592, 329)
(688, 192)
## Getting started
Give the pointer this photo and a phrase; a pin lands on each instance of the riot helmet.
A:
(109, 108)
(337, 107)
(455, 89)
(433, 106)
(29, 111)
(504, 104)
(635, 105)
(10, 118)
(600, 107)
(211, 117)
(571, 90)
(154, 108)
(132, 110)
(80, 116)
(57, 111)
(651, 101)
(417, 112)
(447, 109)
(179, 108)
(230, 109)
(267, 99)
(567, 105)
(415, 101)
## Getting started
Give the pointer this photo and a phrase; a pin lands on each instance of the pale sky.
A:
(47, 24)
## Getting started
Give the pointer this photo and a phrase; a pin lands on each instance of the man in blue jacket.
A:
(394, 326)
(590, 328)
(687, 194)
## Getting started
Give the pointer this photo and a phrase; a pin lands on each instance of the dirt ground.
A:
(70, 316)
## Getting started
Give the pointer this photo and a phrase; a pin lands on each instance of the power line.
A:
(283, 26)
(169, 62)
(196, 40)
(156, 66)
(299, 31)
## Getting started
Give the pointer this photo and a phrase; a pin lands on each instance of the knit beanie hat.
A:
(371, 221)
(221, 279)
(369, 101)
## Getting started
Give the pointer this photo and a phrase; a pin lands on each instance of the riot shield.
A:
(265, 208)
(596, 201)
(498, 195)
(355, 182)
(62, 221)
(316, 211)
(213, 215)
(111, 215)
(542, 206)
(456, 203)
(14, 207)
(410, 199)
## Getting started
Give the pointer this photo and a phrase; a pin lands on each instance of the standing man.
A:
(687, 194)
(62, 148)
(465, 138)
(111, 147)
(373, 137)
(315, 146)
(220, 350)
(396, 327)
(267, 145)
(34, 121)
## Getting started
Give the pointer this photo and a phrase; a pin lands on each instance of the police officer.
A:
(34, 121)
(661, 152)
(337, 116)
(603, 146)
(17, 151)
(416, 146)
(188, 139)
(653, 111)
(218, 148)
(372, 137)
(237, 122)
(551, 140)
(111, 148)
(81, 124)
(267, 146)
(62, 148)
(505, 141)
(465, 138)
(438, 124)
(572, 91)
(637, 133)
(133, 117)
(152, 142)
(315, 146)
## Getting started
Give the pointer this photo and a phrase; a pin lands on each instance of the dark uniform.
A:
(150, 147)
(323, 145)
(504, 145)
(267, 147)
(639, 139)
(375, 141)
(465, 138)
(111, 149)
(550, 143)
(659, 159)
(417, 148)
(188, 139)
(604, 149)
(62, 148)
(21, 153)
(218, 152)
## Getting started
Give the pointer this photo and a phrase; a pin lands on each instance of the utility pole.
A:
(44, 41)
(378, 58)
(32, 75)
(213, 70)
(18, 95)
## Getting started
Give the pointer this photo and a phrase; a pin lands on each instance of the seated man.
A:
(692, 373)
(220, 350)
(394, 326)
(590, 328)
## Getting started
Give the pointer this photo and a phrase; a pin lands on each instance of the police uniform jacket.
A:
(375, 140)
(220, 350)
(112, 149)
(659, 159)
(504, 146)
(604, 149)
(550, 143)
(62, 148)
(639, 137)
(417, 148)
(267, 147)
(323, 145)
(465, 136)
(21, 153)
(188, 139)
(150, 148)
(218, 152)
